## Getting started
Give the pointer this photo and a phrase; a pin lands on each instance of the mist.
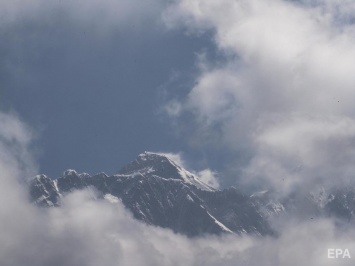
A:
(280, 101)
(86, 230)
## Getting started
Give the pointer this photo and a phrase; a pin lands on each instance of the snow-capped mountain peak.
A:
(70, 172)
(159, 164)
(159, 191)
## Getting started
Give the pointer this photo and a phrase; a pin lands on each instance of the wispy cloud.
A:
(284, 96)
(106, 13)
(16, 155)
(206, 175)
(87, 231)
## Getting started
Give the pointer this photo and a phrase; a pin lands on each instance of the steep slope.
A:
(155, 164)
(160, 192)
(335, 202)
(44, 191)
(238, 211)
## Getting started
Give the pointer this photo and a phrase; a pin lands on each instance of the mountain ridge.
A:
(160, 192)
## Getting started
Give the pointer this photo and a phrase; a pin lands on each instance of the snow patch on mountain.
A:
(147, 162)
(160, 192)
(222, 226)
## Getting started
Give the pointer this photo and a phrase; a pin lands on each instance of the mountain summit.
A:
(159, 164)
(160, 192)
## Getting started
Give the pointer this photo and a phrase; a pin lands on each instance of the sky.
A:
(92, 79)
(259, 92)
(282, 100)
(254, 93)
(88, 231)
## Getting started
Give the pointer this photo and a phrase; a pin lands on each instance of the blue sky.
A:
(258, 91)
(93, 91)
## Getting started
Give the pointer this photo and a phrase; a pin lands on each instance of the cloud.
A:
(16, 155)
(88, 231)
(41, 35)
(209, 177)
(282, 99)
(106, 13)
(206, 175)
(284, 95)
(175, 157)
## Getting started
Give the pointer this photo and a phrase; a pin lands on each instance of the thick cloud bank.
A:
(86, 231)
(283, 96)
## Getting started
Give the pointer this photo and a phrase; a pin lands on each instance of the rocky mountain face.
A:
(337, 202)
(160, 192)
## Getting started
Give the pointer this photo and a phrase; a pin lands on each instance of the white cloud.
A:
(175, 157)
(15, 147)
(209, 177)
(86, 231)
(285, 93)
(206, 175)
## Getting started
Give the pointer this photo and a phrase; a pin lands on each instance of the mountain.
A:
(337, 202)
(160, 192)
